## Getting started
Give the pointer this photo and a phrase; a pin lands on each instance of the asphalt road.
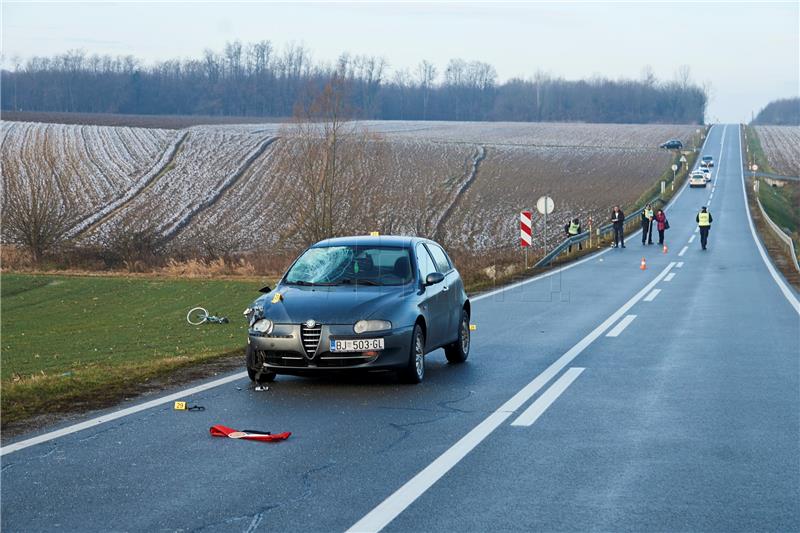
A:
(569, 415)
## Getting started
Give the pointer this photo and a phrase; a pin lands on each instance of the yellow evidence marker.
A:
(277, 298)
(374, 234)
(180, 406)
(473, 327)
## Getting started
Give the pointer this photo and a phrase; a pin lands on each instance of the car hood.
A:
(331, 305)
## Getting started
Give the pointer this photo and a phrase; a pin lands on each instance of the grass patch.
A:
(67, 340)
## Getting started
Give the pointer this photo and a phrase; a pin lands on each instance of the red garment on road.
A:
(248, 434)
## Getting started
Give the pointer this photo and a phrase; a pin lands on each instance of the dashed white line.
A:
(710, 196)
(537, 408)
(619, 328)
(696, 229)
(670, 276)
(652, 296)
(397, 502)
(683, 251)
(679, 265)
(691, 239)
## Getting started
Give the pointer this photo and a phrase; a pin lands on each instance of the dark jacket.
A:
(618, 218)
(645, 221)
(661, 218)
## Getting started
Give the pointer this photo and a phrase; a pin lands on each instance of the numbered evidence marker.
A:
(277, 297)
(473, 327)
(180, 406)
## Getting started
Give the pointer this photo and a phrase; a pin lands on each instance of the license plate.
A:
(356, 345)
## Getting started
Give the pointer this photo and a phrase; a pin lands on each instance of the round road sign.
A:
(754, 167)
(545, 205)
(674, 168)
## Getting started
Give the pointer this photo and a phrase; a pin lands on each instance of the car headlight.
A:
(247, 311)
(263, 326)
(363, 326)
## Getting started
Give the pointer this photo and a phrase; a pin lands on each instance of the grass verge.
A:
(71, 342)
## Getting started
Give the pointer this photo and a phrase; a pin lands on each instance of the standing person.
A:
(704, 220)
(573, 228)
(618, 219)
(661, 224)
(647, 224)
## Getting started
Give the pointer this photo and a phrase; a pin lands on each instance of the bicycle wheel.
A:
(196, 316)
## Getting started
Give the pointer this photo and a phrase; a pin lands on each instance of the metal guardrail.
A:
(777, 230)
(773, 176)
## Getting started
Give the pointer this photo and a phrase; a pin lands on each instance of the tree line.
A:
(258, 80)
(785, 112)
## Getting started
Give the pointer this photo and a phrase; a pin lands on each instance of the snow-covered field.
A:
(781, 145)
(464, 183)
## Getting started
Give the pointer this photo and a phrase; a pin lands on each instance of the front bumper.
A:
(282, 351)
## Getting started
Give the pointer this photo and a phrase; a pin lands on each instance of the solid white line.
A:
(787, 292)
(691, 239)
(619, 328)
(670, 276)
(397, 502)
(683, 251)
(652, 296)
(119, 414)
(537, 408)
(679, 265)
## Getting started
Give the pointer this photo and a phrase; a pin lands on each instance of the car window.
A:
(338, 265)
(440, 258)
(425, 262)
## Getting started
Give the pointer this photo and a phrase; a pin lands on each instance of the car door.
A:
(452, 288)
(435, 299)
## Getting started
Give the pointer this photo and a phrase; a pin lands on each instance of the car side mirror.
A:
(434, 278)
(265, 289)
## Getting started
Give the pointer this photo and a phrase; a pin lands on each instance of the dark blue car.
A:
(360, 303)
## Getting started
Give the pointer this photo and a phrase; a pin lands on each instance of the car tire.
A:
(266, 376)
(414, 372)
(458, 351)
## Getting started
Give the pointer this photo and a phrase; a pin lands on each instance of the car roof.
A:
(398, 241)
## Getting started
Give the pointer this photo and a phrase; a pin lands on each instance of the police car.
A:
(697, 179)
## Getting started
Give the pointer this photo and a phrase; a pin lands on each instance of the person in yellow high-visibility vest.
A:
(704, 220)
(573, 228)
(647, 224)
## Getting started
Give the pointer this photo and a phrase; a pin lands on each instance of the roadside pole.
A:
(545, 206)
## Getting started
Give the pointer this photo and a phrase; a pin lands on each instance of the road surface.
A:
(598, 397)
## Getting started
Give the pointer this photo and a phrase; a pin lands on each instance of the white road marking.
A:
(696, 229)
(691, 239)
(537, 408)
(787, 292)
(119, 414)
(710, 196)
(619, 328)
(670, 276)
(679, 265)
(397, 502)
(652, 296)
(683, 251)
(709, 202)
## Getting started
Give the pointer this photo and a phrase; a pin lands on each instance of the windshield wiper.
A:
(305, 283)
(350, 281)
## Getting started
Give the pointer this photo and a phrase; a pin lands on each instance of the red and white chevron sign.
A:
(525, 228)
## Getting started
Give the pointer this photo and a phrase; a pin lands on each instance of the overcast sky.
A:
(749, 52)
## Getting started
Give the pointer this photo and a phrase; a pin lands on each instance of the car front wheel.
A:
(459, 350)
(253, 362)
(415, 370)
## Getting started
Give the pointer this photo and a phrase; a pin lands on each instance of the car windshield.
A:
(707, 158)
(342, 265)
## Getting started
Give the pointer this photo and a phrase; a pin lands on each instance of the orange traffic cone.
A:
(665, 249)
(643, 266)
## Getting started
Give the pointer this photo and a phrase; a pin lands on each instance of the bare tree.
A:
(34, 214)
(332, 163)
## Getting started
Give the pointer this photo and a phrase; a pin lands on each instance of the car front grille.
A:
(310, 338)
